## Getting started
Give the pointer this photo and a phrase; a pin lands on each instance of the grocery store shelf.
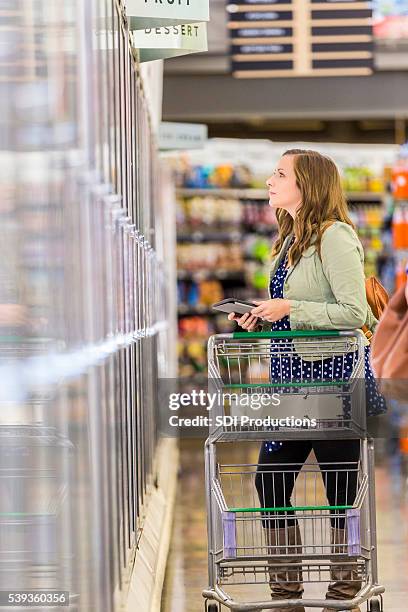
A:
(258, 260)
(250, 228)
(191, 311)
(261, 194)
(364, 196)
(261, 228)
(227, 192)
(199, 275)
(210, 237)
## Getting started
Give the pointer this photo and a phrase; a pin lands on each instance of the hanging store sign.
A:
(155, 13)
(170, 41)
(176, 136)
(283, 38)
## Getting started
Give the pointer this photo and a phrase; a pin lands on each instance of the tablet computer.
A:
(233, 305)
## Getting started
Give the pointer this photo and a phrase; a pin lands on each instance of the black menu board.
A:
(281, 38)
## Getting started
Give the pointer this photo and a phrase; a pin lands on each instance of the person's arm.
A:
(343, 268)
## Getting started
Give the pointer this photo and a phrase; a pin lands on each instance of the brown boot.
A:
(284, 582)
(346, 581)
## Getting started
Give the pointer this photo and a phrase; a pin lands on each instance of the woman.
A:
(317, 282)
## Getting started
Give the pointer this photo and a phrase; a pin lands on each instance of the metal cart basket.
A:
(317, 392)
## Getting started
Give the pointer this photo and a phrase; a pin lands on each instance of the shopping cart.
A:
(323, 391)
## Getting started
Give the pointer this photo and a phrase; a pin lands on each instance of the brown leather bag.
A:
(389, 350)
(377, 298)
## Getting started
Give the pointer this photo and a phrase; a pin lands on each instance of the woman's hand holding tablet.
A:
(239, 311)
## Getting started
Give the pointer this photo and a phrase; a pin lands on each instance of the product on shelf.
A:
(200, 213)
(204, 293)
(362, 178)
(210, 291)
(192, 345)
(368, 220)
(211, 256)
(211, 176)
(400, 227)
(257, 247)
(258, 214)
(400, 180)
(258, 276)
(396, 230)
(399, 223)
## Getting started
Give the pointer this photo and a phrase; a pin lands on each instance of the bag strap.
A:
(367, 332)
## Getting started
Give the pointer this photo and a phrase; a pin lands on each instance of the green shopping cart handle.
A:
(290, 508)
(301, 333)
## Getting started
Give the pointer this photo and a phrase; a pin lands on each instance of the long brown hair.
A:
(323, 202)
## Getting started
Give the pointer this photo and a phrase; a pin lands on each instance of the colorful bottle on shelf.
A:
(398, 229)
(400, 180)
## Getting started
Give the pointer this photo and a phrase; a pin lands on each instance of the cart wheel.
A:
(212, 607)
(375, 605)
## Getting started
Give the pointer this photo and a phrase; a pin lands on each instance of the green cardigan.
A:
(328, 292)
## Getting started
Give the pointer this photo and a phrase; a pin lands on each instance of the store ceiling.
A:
(347, 109)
